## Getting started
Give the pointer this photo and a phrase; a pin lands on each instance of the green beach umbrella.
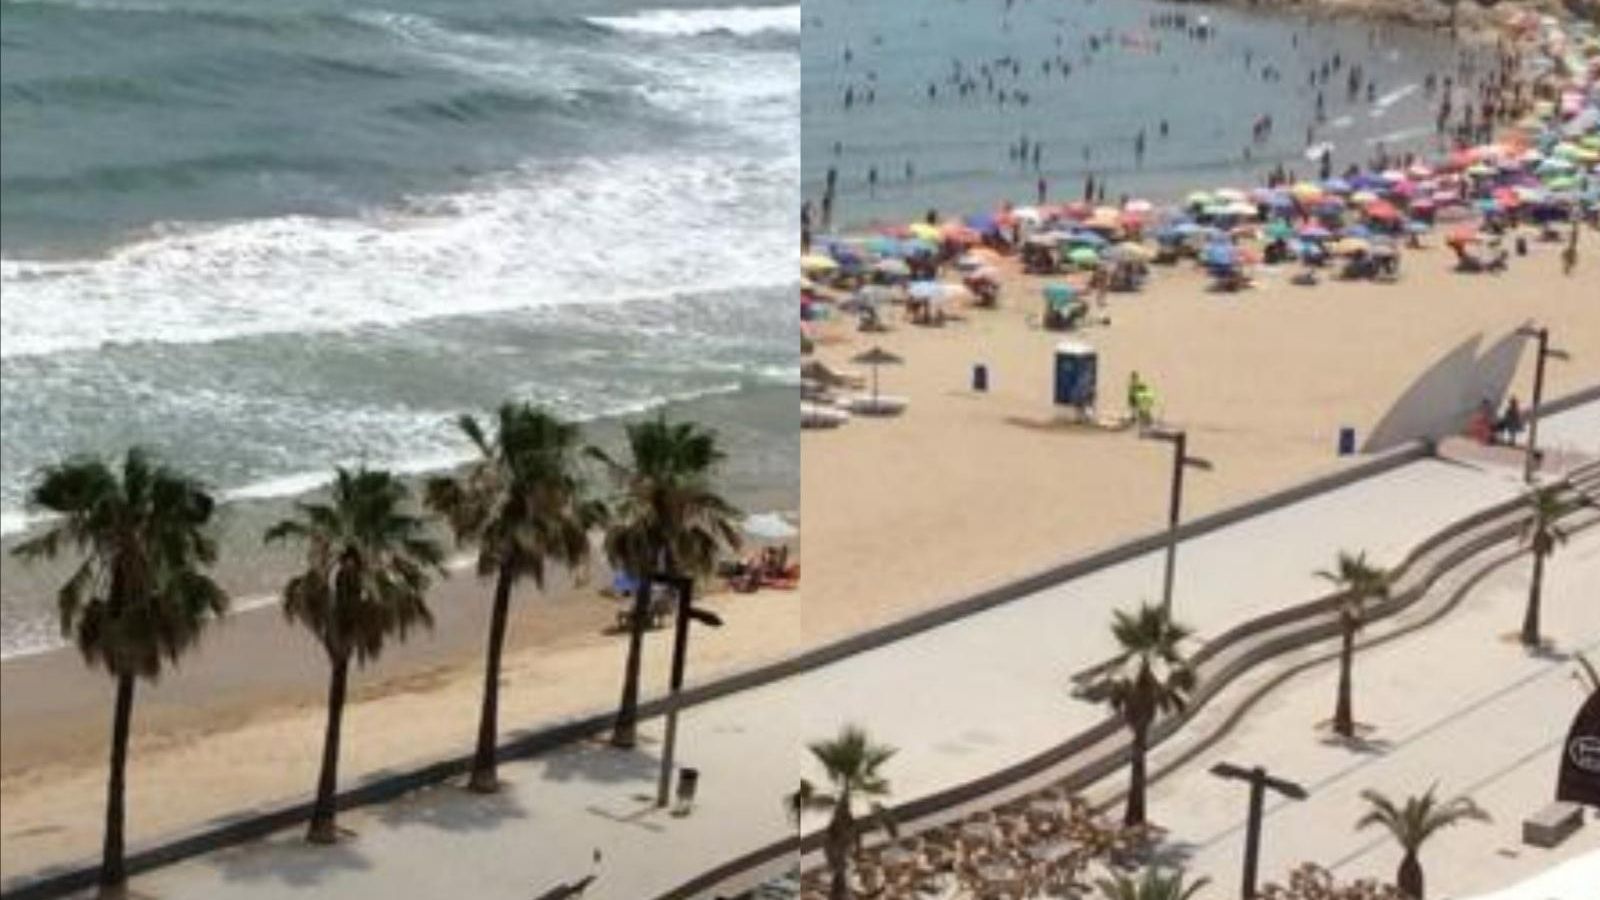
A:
(1083, 256)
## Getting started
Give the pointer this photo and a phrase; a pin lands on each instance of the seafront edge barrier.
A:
(253, 824)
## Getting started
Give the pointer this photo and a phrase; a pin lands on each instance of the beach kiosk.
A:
(1076, 371)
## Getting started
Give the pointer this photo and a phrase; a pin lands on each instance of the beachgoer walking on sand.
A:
(1569, 255)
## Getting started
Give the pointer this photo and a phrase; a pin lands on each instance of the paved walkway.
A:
(960, 701)
(1458, 703)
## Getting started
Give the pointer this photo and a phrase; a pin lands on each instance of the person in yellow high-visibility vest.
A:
(1141, 400)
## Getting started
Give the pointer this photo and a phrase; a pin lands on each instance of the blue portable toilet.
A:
(1076, 373)
(1347, 441)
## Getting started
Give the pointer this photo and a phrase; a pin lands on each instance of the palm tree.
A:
(1154, 884)
(669, 520)
(522, 502)
(368, 568)
(1542, 533)
(852, 763)
(1149, 677)
(1412, 825)
(1358, 581)
(138, 599)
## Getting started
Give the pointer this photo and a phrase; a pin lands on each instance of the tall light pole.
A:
(684, 588)
(1179, 439)
(1259, 781)
(1541, 334)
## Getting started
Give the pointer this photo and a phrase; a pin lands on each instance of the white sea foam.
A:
(596, 231)
(739, 20)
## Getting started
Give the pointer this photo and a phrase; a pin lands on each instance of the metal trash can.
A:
(688, 783)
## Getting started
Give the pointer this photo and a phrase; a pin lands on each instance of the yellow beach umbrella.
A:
(816, 263)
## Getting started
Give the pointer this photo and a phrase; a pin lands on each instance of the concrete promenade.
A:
(1457, 703)
(960, 701)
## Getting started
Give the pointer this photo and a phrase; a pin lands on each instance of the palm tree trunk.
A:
(1136, 777)
(113, 875)
(840, 838)
(322, 830)
(838, 874)
(1409, 878)
(1344, 722)
(624, 733)
(1530, 618)
(485, 778)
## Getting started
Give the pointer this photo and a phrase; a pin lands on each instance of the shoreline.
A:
(253, 573)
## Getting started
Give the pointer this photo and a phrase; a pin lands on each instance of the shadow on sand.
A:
(1439, 401)
(290, 860)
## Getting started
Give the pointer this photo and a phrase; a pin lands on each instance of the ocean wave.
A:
(733, 20)
(181, 173)
(491, 104)
(594, 231)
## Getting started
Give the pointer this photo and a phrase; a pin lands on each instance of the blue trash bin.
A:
(1347, 441)
(980, 377)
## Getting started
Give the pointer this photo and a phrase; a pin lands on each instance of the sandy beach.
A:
(967, 489)
(239, 725)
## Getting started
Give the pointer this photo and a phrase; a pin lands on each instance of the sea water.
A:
(1094, 73)
(266, 237)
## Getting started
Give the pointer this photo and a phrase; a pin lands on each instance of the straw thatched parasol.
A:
(876, 357)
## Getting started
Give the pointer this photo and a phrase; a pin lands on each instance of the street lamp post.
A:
(1179, 439)
(684, 588)
(1541, 334)
(1259, 781)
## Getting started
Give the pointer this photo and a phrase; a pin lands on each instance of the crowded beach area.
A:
(976, 383)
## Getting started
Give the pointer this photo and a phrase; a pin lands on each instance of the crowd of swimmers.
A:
(1480, 92)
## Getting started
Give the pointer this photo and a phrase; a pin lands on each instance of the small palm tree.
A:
(1149, 677)
(1154, 884)
(368, 567)
(852, 763)
(522, 502)
(668, 520)
(139, 598)
(1358, 581)
(1542, 533)
(1412, 825)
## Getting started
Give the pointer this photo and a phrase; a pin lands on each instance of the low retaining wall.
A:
(1092, 770)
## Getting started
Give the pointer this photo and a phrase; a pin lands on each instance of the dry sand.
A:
(215, 738)
(967, 489)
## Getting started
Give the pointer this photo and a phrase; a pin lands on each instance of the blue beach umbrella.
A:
(1219, 255)
(983, 223)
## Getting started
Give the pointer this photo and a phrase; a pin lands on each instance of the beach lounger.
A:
(881, 405)
(813, 415)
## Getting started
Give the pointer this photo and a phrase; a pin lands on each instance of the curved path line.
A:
(1498, 523)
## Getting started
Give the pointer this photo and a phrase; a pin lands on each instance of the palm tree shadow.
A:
(1170, 854)
(1358, 744)
(291, 860)
(598, 762)
(454, 809)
